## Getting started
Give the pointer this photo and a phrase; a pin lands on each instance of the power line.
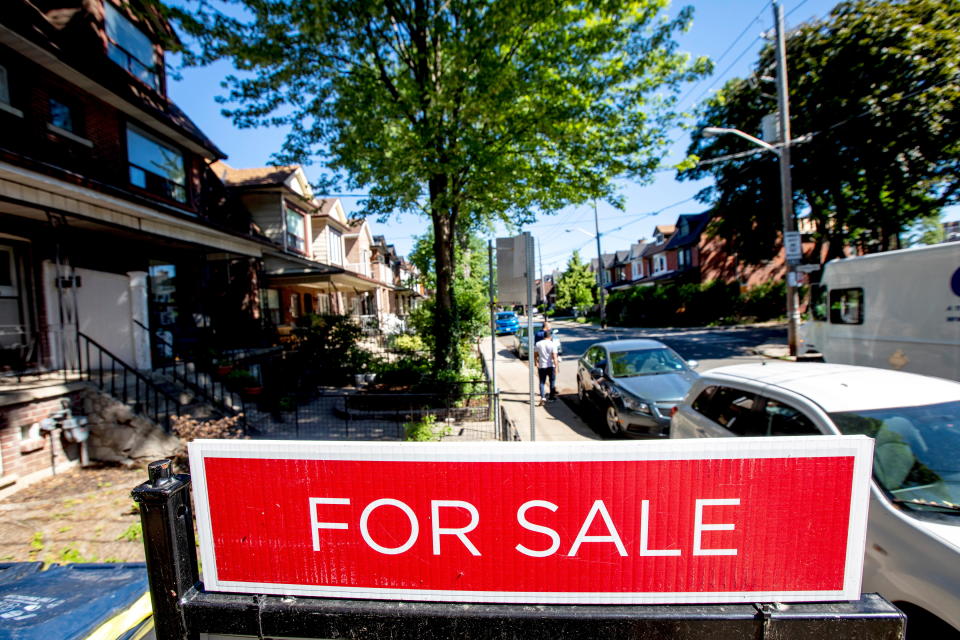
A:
(756, 18)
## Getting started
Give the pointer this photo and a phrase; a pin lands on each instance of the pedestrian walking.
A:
(539, 334)
(548, 364)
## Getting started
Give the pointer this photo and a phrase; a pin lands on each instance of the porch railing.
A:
(115, 377)
(203, 384)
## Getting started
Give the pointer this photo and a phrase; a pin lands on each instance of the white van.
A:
(895, 310)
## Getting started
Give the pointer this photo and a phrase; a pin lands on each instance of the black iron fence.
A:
(369, 414)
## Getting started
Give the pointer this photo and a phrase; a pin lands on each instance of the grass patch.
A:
(133, 533)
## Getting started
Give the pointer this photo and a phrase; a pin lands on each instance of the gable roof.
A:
(258, 176)
(693, 224)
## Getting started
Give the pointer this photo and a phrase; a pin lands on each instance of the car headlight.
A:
(635, 404)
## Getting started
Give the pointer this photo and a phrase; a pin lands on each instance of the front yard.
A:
(82, 515)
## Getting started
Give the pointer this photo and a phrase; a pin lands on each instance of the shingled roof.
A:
(258, 176)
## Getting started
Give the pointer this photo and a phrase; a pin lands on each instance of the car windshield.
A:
(508, 315)
(916, 457)
(523, 330)
(644, 362)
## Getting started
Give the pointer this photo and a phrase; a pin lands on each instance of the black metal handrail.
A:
(210, 390)
(146, 396)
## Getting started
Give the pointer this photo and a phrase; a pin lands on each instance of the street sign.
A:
(793, 246)
(514, 257)
(679, 521)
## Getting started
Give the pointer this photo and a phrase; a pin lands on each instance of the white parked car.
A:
(913, 532)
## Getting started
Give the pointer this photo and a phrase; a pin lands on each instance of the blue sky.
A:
(728, 31)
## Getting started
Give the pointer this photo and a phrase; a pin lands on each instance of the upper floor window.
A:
(129, 47)
(4, 86)
(154, 166)
(5, 94)
(683, 258)
(63, 116)
(336, 247)
(294, 229)
(659, 263)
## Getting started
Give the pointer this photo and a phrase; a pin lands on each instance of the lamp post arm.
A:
(710, 132)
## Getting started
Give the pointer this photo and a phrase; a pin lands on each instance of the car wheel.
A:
(612, 420)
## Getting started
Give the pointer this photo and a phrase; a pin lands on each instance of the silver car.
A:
(913, 531)
(633, 384)
(520, 341)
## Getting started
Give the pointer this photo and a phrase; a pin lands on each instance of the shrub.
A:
(687, 305)
(405, 343)
(425, 430)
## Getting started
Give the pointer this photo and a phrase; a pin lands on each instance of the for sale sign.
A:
(680, 521)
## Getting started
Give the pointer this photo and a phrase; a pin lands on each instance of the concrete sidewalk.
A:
(554, 420)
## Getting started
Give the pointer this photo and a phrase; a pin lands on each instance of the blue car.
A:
(507, 322)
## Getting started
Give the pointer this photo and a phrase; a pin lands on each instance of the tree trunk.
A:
(445, 354)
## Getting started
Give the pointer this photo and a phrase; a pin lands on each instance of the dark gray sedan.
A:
(635, 384)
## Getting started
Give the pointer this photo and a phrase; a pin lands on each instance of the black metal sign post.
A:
(183, 610)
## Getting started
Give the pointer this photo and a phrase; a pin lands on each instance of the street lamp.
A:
(786, 201)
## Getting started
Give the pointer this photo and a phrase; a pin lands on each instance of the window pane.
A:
(155, 166)
(4, 88)
(783, 420)
(336, 247)
(61, 116)
(155, 157)
(846, 306)
(733, 409)
(129, 47)
(818, 302)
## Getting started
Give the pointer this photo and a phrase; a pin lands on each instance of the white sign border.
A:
(859, 447)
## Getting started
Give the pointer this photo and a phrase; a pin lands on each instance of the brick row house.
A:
(122, 230)
(686, 252)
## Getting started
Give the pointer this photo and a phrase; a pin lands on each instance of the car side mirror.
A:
(596, 372)
(693, 364)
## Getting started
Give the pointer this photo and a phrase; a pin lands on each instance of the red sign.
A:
(720, 520)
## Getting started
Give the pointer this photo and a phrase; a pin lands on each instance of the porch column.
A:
(139, 314)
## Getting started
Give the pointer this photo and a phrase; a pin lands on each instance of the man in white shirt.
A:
(548, 364)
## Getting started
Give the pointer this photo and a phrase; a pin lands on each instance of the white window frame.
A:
(335, 246)
(295, 232)
(659, 263)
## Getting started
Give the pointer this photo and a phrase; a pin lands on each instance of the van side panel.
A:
(910, 311)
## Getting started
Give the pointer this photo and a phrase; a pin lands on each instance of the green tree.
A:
(576, 285)
(928, 230)
(462, 110)
(470, 291)
(873, 92)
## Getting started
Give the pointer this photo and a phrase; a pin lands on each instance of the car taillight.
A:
(673, 411)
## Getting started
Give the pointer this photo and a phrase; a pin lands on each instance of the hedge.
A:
(695, 305)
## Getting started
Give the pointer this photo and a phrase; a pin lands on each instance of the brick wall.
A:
(27, 459)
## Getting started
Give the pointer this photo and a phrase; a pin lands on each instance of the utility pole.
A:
(786, 184)
(603, 297)
(543, 288)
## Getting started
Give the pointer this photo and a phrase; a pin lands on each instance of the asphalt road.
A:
(711, 347)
